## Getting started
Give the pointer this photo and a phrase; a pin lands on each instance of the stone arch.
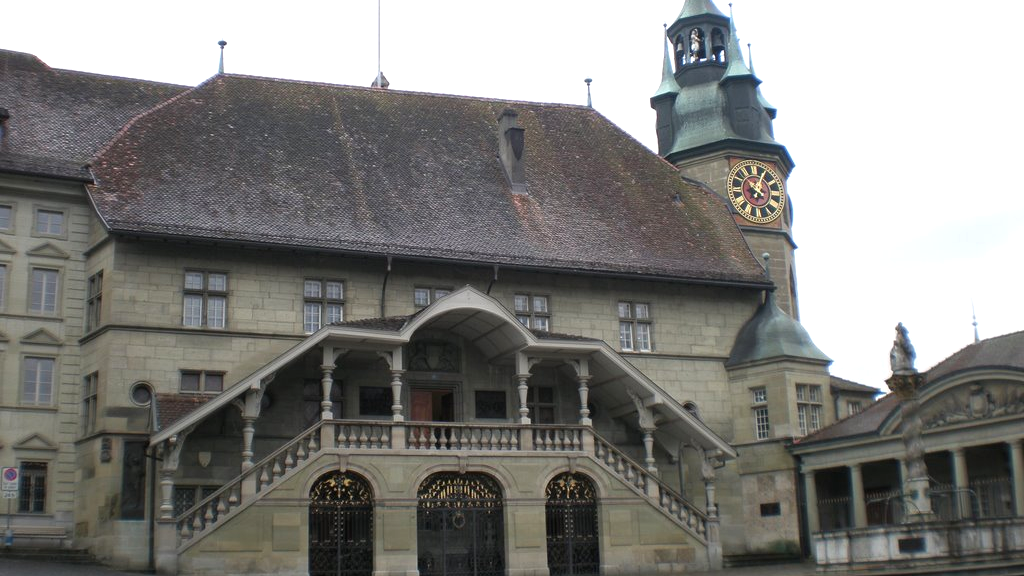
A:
(460, 525)
(571, 523)
(341, 525)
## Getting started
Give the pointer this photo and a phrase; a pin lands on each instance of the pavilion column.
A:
(811, 495)
(1017, 471)
(649, 450)
(396, 395)
(248, 431)
(326, 384)
(860, 509)
(961, 483)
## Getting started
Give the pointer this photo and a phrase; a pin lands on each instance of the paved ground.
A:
(9, 567)
(34, 568)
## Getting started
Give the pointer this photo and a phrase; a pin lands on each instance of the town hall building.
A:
(268, 326)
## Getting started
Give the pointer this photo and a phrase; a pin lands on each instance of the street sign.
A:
(10, 495)
(9, 478)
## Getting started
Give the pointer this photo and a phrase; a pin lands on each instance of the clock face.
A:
(756, 191)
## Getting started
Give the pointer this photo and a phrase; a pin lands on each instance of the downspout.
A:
(493, 280)
(384, 288)
(154, 426)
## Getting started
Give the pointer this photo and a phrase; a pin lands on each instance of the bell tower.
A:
(716, 127)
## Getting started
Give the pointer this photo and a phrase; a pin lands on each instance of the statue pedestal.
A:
(917, 501)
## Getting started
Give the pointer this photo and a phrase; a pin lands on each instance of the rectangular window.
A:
(186, 496)
(422, 296)
(762, 427)
(201, 381)
(324, 303)
(205, 299)
(32, 492)
(37, 387)
(6, 213)
(533, 311)
(44, 291)
(491, 404)
(89, 395)
(853, 408)
(93, 301)
(541, 402)
(374, 401)
(808, 408)
(635, 327)
(49, 223)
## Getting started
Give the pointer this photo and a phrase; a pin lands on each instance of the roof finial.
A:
(974, 322)
(750, 58)
(766, 256)
(222, 44)
(590, 103)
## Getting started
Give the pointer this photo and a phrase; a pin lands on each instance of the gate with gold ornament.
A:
(571, 514)
(341, 526)
(460, 526)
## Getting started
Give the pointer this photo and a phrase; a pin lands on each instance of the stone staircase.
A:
(347, 437)
(52, 554)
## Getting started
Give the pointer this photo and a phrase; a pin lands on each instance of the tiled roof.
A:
(850, 386)
(411, 174)
(61, 117)
(391, 323)
(1005, 351)
(173, 407)
(867, 421)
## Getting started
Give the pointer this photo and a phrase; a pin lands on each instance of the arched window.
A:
(717, 45)
(341, 526)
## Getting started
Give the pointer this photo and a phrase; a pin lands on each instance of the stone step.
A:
(55, 554)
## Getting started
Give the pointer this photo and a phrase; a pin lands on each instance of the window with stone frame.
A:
(200, 381)
(635, 327)
(6, 217)
(762, 425)
(45, 289)
(533, 311)
(323, 303)
(93, 301)
(90, 385)
(49, 223)
(808, 408)
(186, 496)
(541, 402)
(38, 381)
(205, 299)
(32, 488)
(854, 407)
(491, 404)
(423, 296)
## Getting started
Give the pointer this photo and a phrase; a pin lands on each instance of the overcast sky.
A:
(903, 118)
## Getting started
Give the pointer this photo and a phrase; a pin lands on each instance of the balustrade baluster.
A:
(513, 439)
(363, 437)
(289, 462)
(197, 523)
(314, 442)
(234, 496)
(185, 530)
(222, 507)
(264, 477)
(300, 452)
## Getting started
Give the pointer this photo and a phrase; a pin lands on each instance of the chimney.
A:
(511, 141)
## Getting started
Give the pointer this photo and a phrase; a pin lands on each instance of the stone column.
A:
(649, 450)
(396, 395)
(905, 384)
(584, 390)
(1017, 471)
(248, 431)
(326, 384)
(860, 509)
(811, 495)
(961, 498)
(523, 389)
(167, 494)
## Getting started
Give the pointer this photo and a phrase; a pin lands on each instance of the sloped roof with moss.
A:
(59, 119)
(411, 174)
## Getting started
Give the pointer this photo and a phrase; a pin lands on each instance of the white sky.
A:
(903, 118)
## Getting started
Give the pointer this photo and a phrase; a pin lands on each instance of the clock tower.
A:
(716, 127)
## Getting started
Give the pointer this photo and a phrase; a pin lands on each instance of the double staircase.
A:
(346, 437)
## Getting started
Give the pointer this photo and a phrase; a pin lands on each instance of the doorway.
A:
(460, 526)
(571, 514)
(341, 526)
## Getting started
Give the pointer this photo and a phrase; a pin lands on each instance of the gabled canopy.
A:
(499, 336)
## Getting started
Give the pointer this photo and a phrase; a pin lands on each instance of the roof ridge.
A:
(409, 92)
(128, 125)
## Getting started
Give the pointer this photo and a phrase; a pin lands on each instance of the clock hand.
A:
(760, 181)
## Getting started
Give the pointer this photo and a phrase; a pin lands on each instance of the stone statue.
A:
(696, 45)
(902, 355)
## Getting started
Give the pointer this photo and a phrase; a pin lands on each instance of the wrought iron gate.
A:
(340, 526)
(460, 526)
(571, 511)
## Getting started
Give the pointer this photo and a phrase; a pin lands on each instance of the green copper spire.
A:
(734, 54)
(668, 79)
(772, 111)
(698, 8)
